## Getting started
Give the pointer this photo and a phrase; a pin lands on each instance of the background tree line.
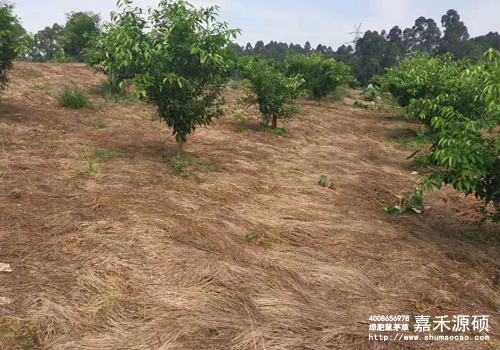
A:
(375, 51)
(63, 43)
(369, 56)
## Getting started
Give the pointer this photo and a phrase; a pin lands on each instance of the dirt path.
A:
(256, 256)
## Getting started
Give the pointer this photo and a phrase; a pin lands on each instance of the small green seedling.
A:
(358, 104)
(250, 238)
(258, 239)
(326, 182)
(16, 193)
(89, 156)
(198, 179)
(415, 204)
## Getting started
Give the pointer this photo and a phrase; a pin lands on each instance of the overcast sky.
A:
(321, 21)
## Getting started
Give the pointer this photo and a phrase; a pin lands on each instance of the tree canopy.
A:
(180, 64)
(10, 34)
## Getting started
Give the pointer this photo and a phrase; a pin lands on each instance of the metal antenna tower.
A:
(357, 35)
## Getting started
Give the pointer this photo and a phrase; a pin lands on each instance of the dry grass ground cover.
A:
(236, 248)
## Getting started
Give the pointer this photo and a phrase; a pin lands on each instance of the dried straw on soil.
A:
(137, 257)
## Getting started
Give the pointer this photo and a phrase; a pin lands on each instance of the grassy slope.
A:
(138, 256)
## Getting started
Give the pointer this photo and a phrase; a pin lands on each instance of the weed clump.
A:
(73, 98)
(98, 123)
(339, 93)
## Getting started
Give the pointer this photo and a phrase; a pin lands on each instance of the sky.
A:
(326, 22)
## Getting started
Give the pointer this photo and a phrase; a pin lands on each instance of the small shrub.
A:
(180, 163)
(240, 115)
(340, 93)
(98, 123)
(235, 84)
(246, 84)
(111, 92)
(73, 98)
(198, 179)
(371, 93)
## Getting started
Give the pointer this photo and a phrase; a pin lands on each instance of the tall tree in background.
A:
(259, 47)
(372, 50)
(455, 35)
(81, 28)
(248, 49)
(426, 35)
(307, 47)
(477, 46)
(44, 45)
(395, 36)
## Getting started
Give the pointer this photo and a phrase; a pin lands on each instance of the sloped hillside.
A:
(115, 244)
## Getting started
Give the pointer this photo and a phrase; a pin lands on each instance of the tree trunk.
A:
(275, 122)
(181, 144)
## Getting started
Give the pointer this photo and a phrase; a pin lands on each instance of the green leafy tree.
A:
(120, 48)
(81, 29)
(272, 90)
(459, 103)
(321, 75)
(44, 45)
(180, 64)
(421, 76)
(10, 35)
